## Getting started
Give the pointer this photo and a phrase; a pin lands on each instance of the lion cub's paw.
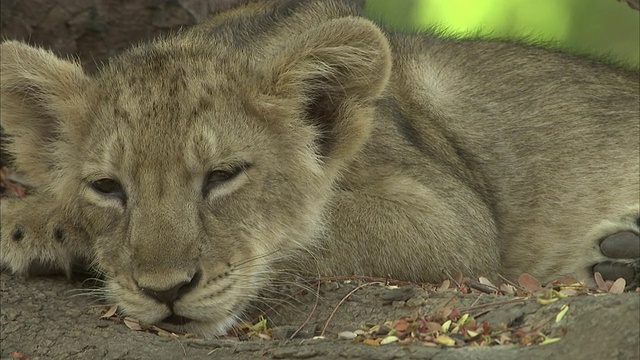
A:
(35, 238)
(615, 249)
(622, 251)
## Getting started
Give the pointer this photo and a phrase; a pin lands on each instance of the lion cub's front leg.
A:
(38, 235)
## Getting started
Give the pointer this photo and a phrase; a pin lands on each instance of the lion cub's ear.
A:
(39, 99)
(330, 76)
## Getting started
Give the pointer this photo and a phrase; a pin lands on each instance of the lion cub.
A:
(300, 137)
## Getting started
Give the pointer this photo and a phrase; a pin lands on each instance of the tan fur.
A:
(357, 151)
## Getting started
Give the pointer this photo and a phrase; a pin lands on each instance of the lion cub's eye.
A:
(219, 177)
(108, 187)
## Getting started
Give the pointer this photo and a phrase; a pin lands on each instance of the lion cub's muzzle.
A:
(175, 292)
(168, 296)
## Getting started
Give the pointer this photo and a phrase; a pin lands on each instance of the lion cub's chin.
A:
(207, 329)
(209, 311)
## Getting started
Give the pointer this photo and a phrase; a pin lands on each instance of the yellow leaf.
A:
(462, 319)
(445, 327)
(261, 325)
(549, 341)
(543, 301)
(550, 296)
(445, 340)
(389, 340)
(562, 313)
(472, 333)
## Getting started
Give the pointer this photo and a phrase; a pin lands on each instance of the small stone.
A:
(415, 302)
(285, 332)
(400, 294)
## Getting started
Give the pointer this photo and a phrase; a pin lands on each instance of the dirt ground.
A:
(44, 318)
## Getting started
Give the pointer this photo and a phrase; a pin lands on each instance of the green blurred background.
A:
(588, 26)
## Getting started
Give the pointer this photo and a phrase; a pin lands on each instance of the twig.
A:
(510, 301)
(326, 324)
(511, 283)
(313, 310)
(476, 300)
(483, 287)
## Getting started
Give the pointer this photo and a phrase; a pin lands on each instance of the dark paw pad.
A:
(620, 248)
(613, 271)
(622, 245)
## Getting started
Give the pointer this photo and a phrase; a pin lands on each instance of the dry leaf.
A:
(618, 286)
(401, 325)
(445, 285)
(109, 313)
(483, 280)
(529, 283)
(602, 285)
(459, 277)
(568, 280)
(505, 338)
(132, 324)
(372, 342)
(432, 326)
(508, 289)
(17, 355)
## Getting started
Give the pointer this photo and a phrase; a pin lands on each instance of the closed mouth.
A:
(177, 320)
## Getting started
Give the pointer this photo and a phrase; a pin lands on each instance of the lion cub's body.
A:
(297, 136)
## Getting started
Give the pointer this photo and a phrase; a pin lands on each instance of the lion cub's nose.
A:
(174, 293)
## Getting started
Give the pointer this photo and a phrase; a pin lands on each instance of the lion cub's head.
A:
(195, 166)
